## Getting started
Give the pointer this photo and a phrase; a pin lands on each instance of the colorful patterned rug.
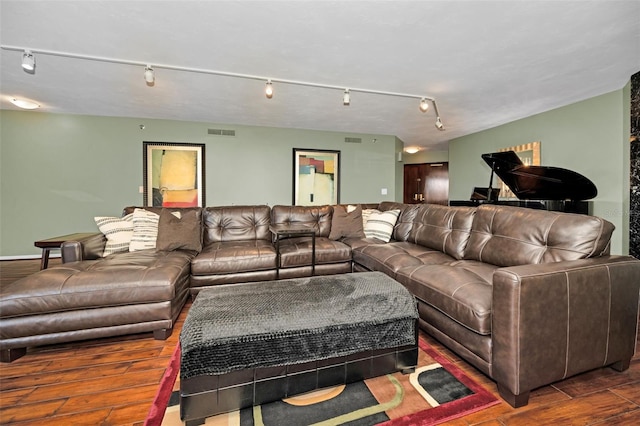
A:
(438, 391)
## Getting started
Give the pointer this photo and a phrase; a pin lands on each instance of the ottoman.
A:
(252, 343)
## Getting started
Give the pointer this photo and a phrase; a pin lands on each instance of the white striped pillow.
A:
(118, 231)
(145, 230)
(366, 213)
(380, 224)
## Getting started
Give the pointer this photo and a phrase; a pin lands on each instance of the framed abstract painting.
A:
(173, 174)
(316, 177)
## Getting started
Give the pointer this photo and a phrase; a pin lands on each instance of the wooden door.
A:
(414, 178)
(426, 183)
(437, 184)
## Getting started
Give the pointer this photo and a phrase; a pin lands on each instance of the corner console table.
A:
(56, 242)
(293, 230)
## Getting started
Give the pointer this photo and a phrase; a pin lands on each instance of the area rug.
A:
(437, 392)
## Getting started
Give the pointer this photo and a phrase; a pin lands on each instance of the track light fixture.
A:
(28, 62)
(424, 105)
(268, 91)
(149, 75)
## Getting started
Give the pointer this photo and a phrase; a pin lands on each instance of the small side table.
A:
(56, 242)
(293, 230)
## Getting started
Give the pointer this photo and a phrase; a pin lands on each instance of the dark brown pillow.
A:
(183, 233)
(346, 225)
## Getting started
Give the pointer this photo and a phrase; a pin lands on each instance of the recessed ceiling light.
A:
(24, 104)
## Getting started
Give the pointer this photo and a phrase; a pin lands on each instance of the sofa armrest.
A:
(554, 320)
(88, 248)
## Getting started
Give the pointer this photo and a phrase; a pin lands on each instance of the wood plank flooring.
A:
(113, 382)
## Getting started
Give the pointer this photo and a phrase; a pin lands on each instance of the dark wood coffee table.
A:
(55, 243)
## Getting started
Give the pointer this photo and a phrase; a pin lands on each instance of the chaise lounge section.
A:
(132, 293)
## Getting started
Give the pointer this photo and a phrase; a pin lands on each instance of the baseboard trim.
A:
(28, 257)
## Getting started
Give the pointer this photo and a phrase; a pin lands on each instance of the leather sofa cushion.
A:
(128, 278)
(297, 251)
(443, 228)
(316, 216)
(461, 290)
(234, 257)
(511, 236)
(236, 223)
(405, 220)
(391, 257)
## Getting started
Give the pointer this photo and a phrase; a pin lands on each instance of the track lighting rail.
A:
(154, 66)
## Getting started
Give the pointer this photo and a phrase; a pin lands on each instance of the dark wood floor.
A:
(113, 382)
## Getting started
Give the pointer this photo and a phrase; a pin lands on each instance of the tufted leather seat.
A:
(236, 247)
(527, 296)
(332, 257)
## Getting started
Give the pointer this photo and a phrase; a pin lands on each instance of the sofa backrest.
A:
(443, 228)
(510, 236)
(405, 220)
(317, 216)
(157, 210)
(236, 223)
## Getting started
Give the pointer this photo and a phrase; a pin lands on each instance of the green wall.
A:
(59, 171)
(590, 137)
(426, 157)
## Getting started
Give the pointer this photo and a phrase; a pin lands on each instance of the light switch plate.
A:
(383, 191)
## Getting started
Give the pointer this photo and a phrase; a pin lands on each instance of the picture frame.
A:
(529, 154)
(316, 177)
(174, 174)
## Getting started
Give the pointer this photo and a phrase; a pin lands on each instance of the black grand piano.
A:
(539, 187)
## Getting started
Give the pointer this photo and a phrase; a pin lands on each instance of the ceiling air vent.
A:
(222, 132)
(353, 140)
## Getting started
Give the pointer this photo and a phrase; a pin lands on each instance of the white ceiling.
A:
(485, 62)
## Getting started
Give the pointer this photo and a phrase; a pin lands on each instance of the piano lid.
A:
(539, 182)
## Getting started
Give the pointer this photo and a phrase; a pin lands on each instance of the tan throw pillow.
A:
(346, 224)
(184, 233)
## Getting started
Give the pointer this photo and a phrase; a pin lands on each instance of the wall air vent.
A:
(222, 132)
(353, 140)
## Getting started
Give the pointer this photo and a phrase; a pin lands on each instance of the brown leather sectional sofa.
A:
(529, 297)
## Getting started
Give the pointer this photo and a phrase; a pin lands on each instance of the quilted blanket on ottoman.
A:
(264, 324)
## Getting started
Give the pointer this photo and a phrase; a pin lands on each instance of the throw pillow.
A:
(145, 230)
(118, 230)
(380, 225)
(179, 232)
(345, 224)
(366, 213)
